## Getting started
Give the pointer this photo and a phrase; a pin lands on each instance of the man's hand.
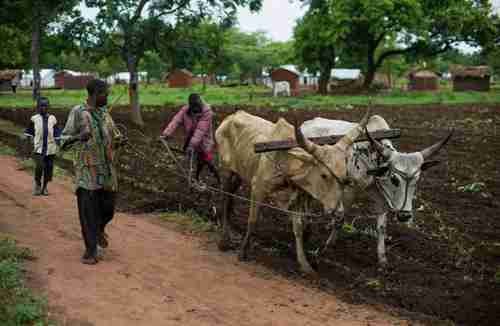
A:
(68, 142)
(85, 136)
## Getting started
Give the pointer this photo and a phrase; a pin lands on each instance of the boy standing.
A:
(45, 133)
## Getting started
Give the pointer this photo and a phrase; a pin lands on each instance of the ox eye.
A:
(324, 176)
(395, 181)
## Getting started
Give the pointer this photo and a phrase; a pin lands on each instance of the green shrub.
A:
(18, 305)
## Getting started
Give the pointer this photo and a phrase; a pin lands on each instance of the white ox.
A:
(281, 88)
(388, 176)
(319, 171)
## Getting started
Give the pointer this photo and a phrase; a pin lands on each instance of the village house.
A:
(471, 78)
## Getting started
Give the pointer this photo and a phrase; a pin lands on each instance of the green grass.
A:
(160, 95)
(18, 305)
(189, 221)
(6, 150)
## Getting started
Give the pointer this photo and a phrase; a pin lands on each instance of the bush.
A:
(18, 306)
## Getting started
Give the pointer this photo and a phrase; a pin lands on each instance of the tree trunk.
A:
(370, 76)
(372, 69)
(35, 49)
(327, 63)
(324, 79)
(133, 92)
(325, 74)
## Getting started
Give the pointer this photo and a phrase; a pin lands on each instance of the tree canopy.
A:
(374, 31)
(137, 26)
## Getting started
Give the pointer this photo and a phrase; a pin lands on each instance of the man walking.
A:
(44, 131)
(92, 130)
(13, 83)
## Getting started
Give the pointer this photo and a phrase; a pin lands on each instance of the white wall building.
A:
(46, 76)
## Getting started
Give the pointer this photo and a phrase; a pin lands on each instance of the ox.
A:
(388, 176)
(281, 88)
(319, 171)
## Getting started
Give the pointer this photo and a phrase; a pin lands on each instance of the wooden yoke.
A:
(287, 144)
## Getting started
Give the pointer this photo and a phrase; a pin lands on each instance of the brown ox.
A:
(319, 171)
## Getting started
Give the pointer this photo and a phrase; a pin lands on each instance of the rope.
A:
(220, 191)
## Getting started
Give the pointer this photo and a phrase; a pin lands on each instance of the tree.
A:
(246, 52)
(315, 46)
(153, 65)
(14, 35)
(14, 45)
(249, 54)
(422, 28)
(41, 14)
(212, 54)
(139, 23)
(279, 53)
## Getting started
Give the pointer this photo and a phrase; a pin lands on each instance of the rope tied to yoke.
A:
(185, 175)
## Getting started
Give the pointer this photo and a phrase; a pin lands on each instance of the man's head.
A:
(97, 93)
(42, 105)
(195, 103)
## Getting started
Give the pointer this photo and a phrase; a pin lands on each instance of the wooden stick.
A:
(290, 143)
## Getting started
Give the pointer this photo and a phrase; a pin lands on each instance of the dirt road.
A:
(153, 275)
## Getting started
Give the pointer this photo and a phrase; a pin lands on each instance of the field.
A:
(258, 96)
(444, 267)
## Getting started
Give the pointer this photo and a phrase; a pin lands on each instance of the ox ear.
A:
(429, 164)
(378, 172)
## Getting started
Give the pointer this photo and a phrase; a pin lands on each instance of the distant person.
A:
(196, 118)
(13, 83)
(92, 130)
(45, 134)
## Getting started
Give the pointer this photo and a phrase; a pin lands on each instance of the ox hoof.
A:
(224, 245)
(383, 266)
(243, 256)
(309, 273)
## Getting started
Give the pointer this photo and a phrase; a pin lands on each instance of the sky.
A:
(277, 18)
(496, 4)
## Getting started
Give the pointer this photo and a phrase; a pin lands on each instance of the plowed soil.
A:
(444, 267)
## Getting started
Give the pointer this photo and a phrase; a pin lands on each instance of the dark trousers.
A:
(14, 89)
(44, 168)
(96, 209)
(211, 167)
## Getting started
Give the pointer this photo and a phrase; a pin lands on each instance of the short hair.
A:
(195, 99)
(95, 86)
(42, 101)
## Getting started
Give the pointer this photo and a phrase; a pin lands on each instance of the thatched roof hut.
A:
(289, 74)
(471, 78)
(180, 78)
(423, 80)
(8, 75)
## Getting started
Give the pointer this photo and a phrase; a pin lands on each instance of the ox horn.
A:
(375, 143)
(353, 134)
(302, 141)
(434, 149)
